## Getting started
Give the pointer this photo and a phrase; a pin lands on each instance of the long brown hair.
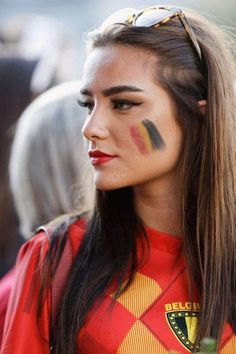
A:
(208, 202)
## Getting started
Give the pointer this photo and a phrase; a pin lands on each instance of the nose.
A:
(95, 127)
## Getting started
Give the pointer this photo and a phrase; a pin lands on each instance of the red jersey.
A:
(153, 316)
(5, 289)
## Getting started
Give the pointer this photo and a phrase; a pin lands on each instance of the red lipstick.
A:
(98, 157)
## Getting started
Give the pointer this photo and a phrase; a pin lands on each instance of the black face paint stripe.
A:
(154, 135)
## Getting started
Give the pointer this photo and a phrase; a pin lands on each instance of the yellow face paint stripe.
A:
(145, 137)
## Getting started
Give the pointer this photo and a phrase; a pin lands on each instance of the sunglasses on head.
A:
(152, 17)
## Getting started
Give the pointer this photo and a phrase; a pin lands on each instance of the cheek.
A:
(140, 138)
(146, 137)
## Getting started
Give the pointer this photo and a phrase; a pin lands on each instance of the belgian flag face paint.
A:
(147, 137)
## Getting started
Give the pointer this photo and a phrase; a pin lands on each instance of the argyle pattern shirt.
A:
(153, 316)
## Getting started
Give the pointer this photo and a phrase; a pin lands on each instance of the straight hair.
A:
(108, 250)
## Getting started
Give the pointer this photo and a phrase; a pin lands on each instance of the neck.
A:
(158, 204)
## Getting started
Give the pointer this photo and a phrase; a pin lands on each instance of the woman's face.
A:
(131, 127)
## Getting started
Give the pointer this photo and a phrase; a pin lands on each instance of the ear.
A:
(202, 106)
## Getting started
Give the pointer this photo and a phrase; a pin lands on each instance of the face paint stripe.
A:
(154, 135)
(138, 140)
(145, 136)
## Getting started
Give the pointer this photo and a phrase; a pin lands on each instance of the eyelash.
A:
(86, 104)
(130, 104)
(115, 102)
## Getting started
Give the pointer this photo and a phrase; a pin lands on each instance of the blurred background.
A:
(80, 16)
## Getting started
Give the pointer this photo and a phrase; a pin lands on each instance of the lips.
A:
(98, 157)
(97, 153)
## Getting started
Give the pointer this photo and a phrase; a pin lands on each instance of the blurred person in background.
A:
(15, 95)
(153, 267)
(50, 174)
(36, 53)
(45, 39)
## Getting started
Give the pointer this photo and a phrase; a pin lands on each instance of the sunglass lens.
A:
(151, 17)
(120, 16)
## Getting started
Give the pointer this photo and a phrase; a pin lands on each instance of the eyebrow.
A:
(113, 90)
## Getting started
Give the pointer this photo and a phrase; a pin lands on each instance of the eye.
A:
(124, 105)
(86, 104)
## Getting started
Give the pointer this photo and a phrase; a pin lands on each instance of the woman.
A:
(150, 267)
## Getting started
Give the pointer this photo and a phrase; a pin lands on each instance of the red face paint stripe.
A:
(138, 140)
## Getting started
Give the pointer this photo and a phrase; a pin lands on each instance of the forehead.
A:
(117, 65)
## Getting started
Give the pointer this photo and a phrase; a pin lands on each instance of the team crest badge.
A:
(183, 324)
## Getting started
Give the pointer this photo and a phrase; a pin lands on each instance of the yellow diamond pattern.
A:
(230, 347)
(140, 340)
(137, 302)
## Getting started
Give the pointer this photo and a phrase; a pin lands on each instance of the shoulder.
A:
(38, 244)
(76, 233)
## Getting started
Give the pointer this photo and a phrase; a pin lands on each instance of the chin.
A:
(108, 185)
